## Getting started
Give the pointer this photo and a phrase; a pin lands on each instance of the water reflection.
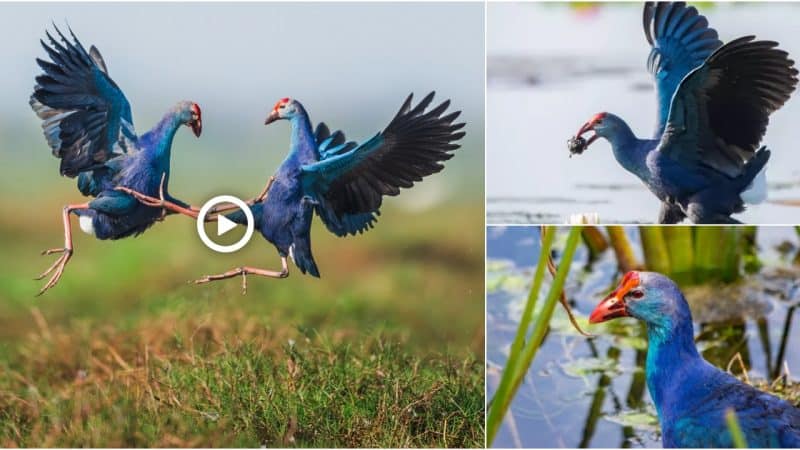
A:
(591, 392)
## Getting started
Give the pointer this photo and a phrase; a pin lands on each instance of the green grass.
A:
(386, 350)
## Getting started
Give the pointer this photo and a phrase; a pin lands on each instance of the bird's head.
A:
(603, 124)
(647, 296)
(189, 114)
(285, 108)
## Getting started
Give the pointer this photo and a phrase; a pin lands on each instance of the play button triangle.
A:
(224, 225)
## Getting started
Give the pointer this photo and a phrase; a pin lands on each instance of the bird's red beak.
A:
(272, 117)
(197, 124)
(197, 127)
(275, 114)
(613, 305)
(589, 126)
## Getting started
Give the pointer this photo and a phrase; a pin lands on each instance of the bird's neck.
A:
(303, 143)
(629, 150)
(160, 140)
(671, 353)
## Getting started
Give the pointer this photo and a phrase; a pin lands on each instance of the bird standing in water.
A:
(705, 160)
(690, 394)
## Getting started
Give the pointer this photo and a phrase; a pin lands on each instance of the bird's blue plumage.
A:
(714, 103)
(344, 182)
(88, 124)
(691, 395)
(681, 40)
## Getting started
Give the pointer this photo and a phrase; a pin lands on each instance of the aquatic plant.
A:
(522, 353)
(689, 255)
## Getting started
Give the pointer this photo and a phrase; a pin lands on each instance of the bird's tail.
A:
(300, 252)
(753, 182)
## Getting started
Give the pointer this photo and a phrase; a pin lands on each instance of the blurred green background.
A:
(386, 349)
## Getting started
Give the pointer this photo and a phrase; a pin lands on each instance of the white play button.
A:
(224, 224)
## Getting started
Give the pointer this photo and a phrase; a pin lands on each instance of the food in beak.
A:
(576, 145)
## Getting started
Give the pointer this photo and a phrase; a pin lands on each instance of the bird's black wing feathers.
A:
(720, 111)
(86, 117)
(350, 183)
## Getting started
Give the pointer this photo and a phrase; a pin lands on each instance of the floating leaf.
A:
(502, 275)
(499, 265)
(585, 366)
(508, 282)
(639, 420)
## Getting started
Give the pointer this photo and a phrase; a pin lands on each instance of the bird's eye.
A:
(283, 106)
(636, 294)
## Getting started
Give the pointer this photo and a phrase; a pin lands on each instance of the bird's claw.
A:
(144, 199)
(58, 266)
(50, 251)
(263, 195)
(204, 280)
(210, 278)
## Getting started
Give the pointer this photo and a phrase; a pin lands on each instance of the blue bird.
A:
(341, 181)
(691, 395)
(87, 123)
(714, 102)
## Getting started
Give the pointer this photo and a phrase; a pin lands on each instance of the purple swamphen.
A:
(88, 125)
(343, 182)
(691, 395)
(714, 103)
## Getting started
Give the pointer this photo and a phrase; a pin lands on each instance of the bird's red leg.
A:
(263, 193)
(191, 211)
(160, 202)
(66, 252)
(244, 271)
(260, 198)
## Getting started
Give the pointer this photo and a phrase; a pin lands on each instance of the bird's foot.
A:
(263, 194)
(244, 271)
(57, 267)
(229, 274)
(142, 198)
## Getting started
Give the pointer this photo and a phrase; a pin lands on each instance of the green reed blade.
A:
(519, 362)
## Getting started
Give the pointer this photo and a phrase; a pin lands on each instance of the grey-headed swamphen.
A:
(88, 125)
(342, 182)
(714, 103)
(691, 395)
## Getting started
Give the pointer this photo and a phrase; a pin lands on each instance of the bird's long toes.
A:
(203, 280)
(50, 251)
(52, 281)
(51, 268)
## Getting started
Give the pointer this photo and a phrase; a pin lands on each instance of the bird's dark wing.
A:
(720, 111)
(350, 180)
(681, 40)
(86, 117)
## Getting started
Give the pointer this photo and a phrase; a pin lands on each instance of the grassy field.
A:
(386, 350)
